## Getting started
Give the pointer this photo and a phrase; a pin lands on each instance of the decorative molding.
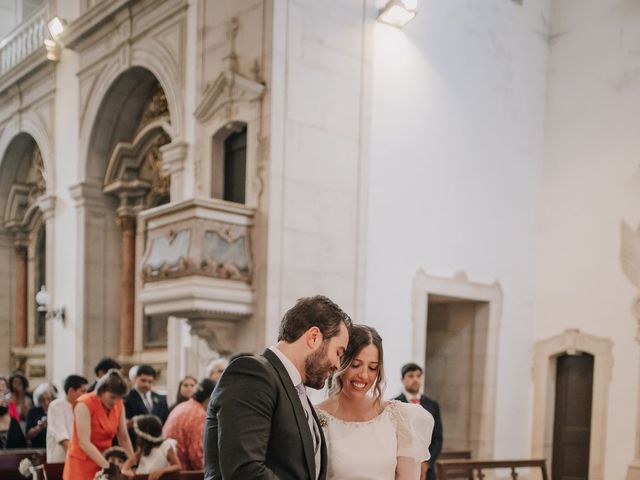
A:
(630, 262)
(128, 157)
(226, 90)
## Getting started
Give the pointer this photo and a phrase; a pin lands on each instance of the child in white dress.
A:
(154, 454)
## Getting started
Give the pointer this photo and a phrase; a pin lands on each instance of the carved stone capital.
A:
(47, 205)
(174, 155)
(220, 335)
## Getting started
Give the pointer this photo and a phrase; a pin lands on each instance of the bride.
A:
(367, 437)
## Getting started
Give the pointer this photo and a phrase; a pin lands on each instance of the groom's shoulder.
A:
(248, 365)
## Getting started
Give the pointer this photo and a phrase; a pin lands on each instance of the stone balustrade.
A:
(26, 39)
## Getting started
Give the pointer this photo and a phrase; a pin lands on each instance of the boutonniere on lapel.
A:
(154, 399)
(322, 420)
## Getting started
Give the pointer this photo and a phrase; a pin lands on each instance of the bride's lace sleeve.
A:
(414, 426)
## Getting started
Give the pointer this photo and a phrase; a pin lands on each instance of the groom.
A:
(260, 423)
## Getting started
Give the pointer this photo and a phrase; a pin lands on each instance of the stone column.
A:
(22, 289)
(127, 225)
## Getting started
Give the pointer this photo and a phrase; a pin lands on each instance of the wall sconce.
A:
(398, 12)
(42, 299)
(56, 27)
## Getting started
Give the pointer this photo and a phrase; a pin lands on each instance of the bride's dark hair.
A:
(360, 336)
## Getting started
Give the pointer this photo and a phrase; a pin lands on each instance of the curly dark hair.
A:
(360, 336)
(318, 311)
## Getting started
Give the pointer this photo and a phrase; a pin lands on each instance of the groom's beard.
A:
(317, 368)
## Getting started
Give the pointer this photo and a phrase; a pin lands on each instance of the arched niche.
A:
(125, 175)
(25, 248)
(134, 95)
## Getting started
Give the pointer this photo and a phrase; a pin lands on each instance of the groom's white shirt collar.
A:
(293, 372)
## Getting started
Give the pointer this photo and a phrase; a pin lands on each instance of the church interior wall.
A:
(590, 186)
(456, 150)
(314, 154)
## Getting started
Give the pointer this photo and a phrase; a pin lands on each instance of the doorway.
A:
(455, 367)
(572, 418)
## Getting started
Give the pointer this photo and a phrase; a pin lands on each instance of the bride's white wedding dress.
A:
(391, 446)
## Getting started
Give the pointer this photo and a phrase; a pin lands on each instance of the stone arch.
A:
(15, 164)
(546, 353)
(118, 117)
(30, 126)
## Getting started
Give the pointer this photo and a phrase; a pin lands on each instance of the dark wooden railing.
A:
(476, 468)
(457, 474)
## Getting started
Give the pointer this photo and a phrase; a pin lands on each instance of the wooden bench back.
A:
(445, 468)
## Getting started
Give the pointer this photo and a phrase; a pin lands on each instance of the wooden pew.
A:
(54, 470)
(443, 467)
(10, 461)
(463, 473)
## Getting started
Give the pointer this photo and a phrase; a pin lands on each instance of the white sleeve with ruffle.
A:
(414, 426)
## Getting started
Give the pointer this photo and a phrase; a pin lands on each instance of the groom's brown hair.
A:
(318, 311)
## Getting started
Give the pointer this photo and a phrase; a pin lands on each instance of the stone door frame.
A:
(459, 286)
(545, 354)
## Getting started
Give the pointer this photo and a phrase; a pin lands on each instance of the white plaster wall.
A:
(591, 184)
(456, 149)
(313, 178)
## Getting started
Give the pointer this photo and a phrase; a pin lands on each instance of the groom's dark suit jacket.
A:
(256, 427)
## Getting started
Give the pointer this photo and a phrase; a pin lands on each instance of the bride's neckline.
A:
(359, 422)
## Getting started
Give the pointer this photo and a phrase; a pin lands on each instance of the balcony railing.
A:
(23, 41)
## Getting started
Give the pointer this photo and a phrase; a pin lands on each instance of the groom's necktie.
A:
(302, 393)
(415, 400)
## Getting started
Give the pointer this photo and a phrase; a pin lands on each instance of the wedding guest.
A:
(216, 368)
(6, 394)
(142, 400)
(98, 417)
(36, 427)
(11, 435)
(60, 418)
(102, 367)
(412, 383)
(186, 425)
(20, 396)
(185, 390)
(155, 455)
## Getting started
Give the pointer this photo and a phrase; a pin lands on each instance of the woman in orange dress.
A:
(98, 417)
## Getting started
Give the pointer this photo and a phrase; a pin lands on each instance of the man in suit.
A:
(103, 366)
(141, 400)
(260, 423)
(412, 382)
